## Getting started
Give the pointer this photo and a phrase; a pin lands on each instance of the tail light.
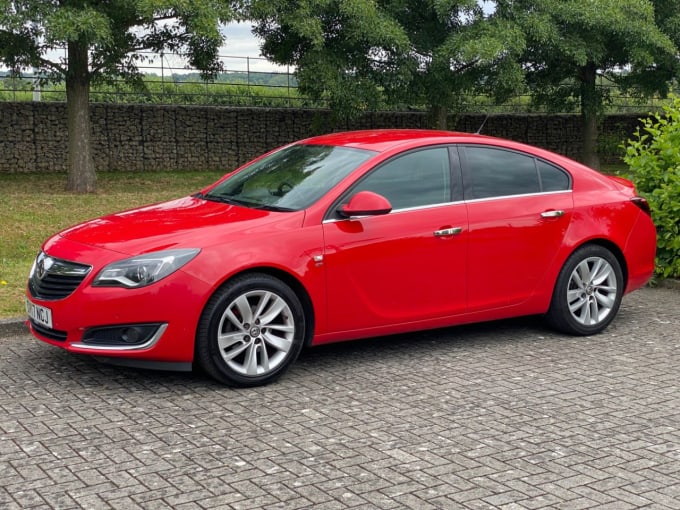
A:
(642, 204)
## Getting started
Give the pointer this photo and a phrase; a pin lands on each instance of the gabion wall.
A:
(33, 136)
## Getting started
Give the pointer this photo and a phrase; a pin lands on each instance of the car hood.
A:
(185, 222)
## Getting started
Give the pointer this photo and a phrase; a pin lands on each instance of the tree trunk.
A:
(590, 109)
(81, 174)
(439, 115)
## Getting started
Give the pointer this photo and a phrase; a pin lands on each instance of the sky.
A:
(241, 43)
(240, 40)
(241, 51)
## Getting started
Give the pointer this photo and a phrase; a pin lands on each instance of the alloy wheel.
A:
(592, 291)
(256, 333)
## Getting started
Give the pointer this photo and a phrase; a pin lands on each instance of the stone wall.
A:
(33, 136)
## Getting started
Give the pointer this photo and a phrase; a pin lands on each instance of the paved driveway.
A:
(501, 415)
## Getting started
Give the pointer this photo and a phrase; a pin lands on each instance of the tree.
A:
(363, 54)
(104, 39)
(569, 43)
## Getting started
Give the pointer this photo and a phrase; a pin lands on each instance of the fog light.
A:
(128, 334)
(131, 335)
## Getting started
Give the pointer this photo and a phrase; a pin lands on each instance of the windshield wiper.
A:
(243, 203)
(274, 208)
(225, 200)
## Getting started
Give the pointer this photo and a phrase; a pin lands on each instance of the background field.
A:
(35, 207)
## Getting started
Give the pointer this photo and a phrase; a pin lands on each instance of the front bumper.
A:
(153, 323)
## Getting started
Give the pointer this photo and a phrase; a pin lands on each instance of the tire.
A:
(251, 331)
(588, 292)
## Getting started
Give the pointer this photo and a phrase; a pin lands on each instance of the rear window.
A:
(493, 172)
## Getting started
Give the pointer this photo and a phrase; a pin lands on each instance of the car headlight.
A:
(144, 269)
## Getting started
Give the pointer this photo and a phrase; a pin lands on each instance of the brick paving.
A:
(502, 415)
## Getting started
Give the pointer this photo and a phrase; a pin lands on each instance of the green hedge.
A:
(653, 156)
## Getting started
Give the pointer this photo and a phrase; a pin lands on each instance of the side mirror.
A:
(365, 203)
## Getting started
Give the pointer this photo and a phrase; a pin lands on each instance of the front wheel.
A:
(588, 292)
(251, 331)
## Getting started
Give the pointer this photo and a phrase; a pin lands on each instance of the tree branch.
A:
(134, 49)
(52, 65)
(163, 18)
(466, 66)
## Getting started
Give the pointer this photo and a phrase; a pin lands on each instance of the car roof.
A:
(380, 140)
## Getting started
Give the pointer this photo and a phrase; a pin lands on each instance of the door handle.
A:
(448, 232)
(552, 214)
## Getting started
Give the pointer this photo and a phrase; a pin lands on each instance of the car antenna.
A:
(482, 126)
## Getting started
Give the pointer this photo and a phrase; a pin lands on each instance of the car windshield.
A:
(290, 179)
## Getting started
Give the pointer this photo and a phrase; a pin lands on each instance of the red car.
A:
(339, 237)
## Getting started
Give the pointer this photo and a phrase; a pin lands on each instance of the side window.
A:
(498, 173)
(415, 179)
(552, 178)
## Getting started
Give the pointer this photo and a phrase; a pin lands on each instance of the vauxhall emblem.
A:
(44, 266)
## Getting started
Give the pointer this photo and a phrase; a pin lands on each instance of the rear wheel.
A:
(588, 292)
(251, 331)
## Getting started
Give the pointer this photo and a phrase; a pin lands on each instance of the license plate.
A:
(40, 314)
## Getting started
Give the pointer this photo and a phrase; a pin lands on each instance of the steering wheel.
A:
(283, 188)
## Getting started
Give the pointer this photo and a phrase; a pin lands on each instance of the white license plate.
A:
(40, 314)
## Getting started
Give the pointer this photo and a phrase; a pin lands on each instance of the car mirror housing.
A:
(365, 203)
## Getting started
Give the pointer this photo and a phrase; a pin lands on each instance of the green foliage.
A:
(114, 32)
(654, 159)
(609, 144)
(570, 43)
(105, 39)
(368, 54)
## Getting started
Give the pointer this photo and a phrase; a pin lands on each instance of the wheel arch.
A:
(562, 316)
(613, 248)
(294, 283)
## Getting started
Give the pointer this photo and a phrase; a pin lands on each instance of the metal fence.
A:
(167, 79)
(255, 81)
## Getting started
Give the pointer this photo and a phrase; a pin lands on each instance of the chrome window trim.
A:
(444, 204)
(503, 197)
(405, 209)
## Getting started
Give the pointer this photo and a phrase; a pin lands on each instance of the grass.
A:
(34, 206)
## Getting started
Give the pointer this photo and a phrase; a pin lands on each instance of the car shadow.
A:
(480, 335)
(67, 369)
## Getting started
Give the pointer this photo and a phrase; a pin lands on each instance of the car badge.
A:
(44, 266)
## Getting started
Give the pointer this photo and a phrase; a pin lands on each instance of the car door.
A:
(519, 208)
(405, 266)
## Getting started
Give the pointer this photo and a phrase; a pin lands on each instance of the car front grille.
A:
(51, 278)
(52, 334)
